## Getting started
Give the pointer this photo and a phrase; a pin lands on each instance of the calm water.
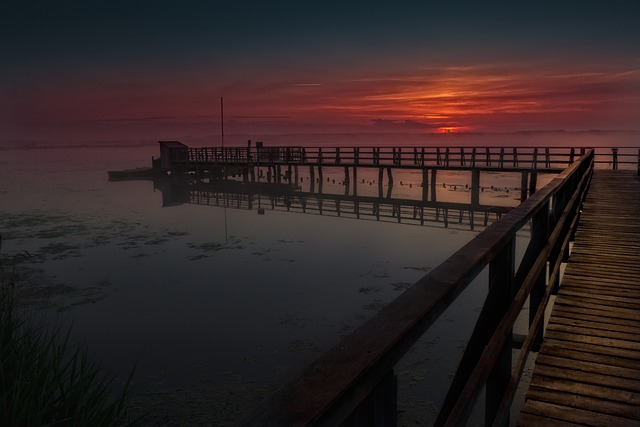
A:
(217, 306)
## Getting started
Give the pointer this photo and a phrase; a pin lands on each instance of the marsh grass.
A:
(45, 380)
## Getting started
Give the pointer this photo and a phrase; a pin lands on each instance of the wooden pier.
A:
(282, 164)
(588, 369)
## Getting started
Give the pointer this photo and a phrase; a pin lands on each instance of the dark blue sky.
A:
(136, 60)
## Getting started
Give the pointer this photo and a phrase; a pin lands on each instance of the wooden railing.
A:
(488, 157)
(353, 383)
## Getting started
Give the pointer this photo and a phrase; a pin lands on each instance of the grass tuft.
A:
(47, 381)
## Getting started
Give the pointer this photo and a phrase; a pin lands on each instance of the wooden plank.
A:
(631, 349)
(583, 352)
(545, 371)
(630, 303)
(576, 321)
(630, 340)
(598, 406)
(597, 284)
(593, 315)
(537, 420)
(587, 303)
(623, 372)
(573, 415)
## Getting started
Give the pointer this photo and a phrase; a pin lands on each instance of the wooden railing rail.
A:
(541, 159)
(341, 386)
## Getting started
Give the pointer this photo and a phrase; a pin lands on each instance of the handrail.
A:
(333, 387)
(540, 159)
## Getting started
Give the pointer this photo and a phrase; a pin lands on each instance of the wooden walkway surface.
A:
(588, 369)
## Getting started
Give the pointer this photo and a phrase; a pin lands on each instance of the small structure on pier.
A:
(171, 152)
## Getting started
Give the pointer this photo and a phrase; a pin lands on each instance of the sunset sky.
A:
(128, 70)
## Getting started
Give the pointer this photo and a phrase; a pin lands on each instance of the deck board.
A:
(588, 370)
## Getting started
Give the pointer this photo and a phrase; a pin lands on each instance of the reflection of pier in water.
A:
(290, 198)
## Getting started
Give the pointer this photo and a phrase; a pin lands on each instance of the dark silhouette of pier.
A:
(278, 164)
(587, 372)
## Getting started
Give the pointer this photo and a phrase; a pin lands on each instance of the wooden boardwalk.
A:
(588, 369)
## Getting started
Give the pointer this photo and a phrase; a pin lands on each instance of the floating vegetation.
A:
(369, 289)
(376, 305)
(401, 286)
(293, 321)
(303, 346)
(418, 268)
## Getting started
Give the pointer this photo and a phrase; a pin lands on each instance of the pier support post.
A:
(501, 282)
(379, 408)
(539, 237)
(320, 179)
(475, 188)
(523, 186)
(425, 184)
(312, 179)
(355, 181)
(433, 184)
(533, 182)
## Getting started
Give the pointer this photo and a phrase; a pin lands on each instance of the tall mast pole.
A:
(224, 171)
(222, 122)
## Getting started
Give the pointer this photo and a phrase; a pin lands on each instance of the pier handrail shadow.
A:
(290, 198)
(348, 383)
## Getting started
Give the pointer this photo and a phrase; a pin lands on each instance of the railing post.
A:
(475, 188)
(397, 155)
(515, 157)
(501, 275)
(557, 207)
(501, 163)
(540, 235)
(379, 408)
(638, 161)
(337, 155)
(547, 155)
(614, 152)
